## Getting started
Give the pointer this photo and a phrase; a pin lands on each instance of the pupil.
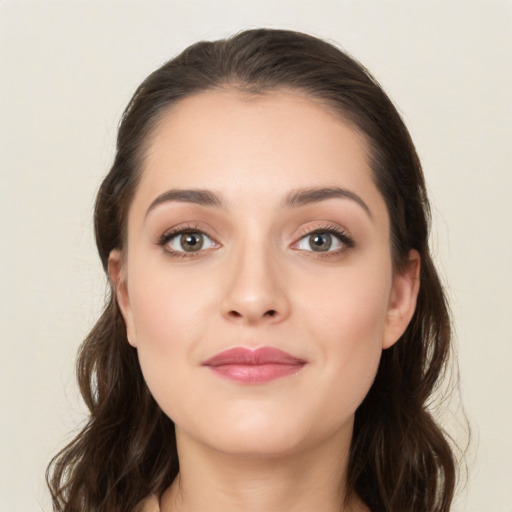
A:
(192, 242)
(321, 241)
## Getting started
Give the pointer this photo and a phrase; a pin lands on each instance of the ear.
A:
(402, 299)
(117, 276)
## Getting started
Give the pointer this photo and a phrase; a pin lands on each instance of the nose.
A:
(254, 291)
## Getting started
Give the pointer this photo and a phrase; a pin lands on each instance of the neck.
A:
(311, 479)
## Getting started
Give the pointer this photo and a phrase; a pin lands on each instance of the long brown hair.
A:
(400, 460)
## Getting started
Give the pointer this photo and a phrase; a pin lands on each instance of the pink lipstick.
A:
(252, 366)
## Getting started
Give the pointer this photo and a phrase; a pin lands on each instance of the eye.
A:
(325, 241)
(186, 242)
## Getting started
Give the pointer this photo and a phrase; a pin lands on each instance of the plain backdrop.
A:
(68, 68)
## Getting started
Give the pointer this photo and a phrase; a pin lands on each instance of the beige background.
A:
(68, 68)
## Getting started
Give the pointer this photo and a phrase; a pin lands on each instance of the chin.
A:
(259, 435)
(262, 443)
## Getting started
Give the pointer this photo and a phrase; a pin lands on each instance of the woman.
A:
(276, 325)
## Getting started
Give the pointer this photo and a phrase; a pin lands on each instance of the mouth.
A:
(254, 366)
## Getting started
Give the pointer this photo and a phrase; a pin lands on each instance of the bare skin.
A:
(300, 483)
(256, 259)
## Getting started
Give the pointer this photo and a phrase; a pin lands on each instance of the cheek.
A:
(352, 305)
(348, 322)
(168, 315)
(167, 307)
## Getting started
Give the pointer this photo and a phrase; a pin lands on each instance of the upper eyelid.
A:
(325, 227)
(189, 228)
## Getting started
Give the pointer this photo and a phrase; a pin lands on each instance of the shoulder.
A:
(150, 504)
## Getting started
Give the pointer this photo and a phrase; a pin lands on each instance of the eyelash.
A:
(346, 240)
(164, 240)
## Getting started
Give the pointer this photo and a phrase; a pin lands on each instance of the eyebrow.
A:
(196, 196)
(294, 199)
(306, 196)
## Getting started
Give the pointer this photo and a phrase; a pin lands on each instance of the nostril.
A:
(234, 314)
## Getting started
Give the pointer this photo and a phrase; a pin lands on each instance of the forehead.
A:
(253, 146)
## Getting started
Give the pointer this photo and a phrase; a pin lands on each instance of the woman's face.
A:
(257, 225)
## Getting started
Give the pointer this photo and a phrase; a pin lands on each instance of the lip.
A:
(254, 366)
